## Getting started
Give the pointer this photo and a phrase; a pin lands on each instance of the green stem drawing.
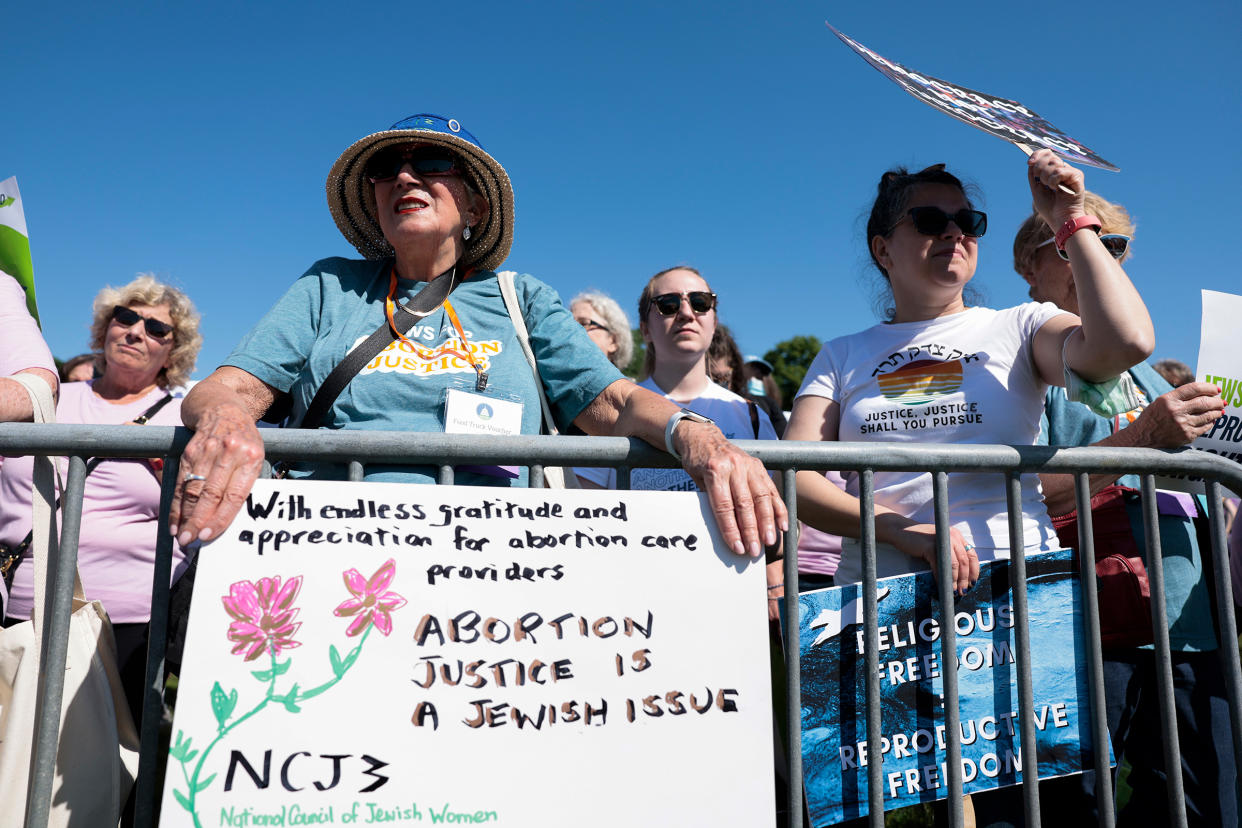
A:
(223, 705)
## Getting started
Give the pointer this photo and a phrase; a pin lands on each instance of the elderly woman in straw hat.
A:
(431, 211)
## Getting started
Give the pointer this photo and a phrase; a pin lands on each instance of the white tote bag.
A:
(97, 757)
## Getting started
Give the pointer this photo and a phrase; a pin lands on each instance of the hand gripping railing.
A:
(355, 449)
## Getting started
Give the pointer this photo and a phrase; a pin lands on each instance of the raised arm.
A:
(745, 502)
(1114, 330)
(224, 458)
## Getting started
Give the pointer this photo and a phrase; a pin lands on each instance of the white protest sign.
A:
(384, 653)
(1220, 362)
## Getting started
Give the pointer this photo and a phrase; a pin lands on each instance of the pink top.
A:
(819, 552)
(21, 343)
(120, 509)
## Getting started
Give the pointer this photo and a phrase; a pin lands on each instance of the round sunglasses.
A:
(127, 317)
(387, 164)
(701, 301)
(1115, 243)
(932, 221)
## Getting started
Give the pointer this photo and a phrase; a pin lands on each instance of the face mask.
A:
(1108, 398)
(754, 387)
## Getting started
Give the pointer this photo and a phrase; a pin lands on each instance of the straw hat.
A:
(351, 196)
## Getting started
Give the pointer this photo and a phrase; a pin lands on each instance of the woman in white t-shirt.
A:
(677, 317)
(941, 372)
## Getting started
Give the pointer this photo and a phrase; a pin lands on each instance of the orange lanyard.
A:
(477, 365)
(480, 383)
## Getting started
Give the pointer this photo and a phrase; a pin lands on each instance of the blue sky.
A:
(742, 138)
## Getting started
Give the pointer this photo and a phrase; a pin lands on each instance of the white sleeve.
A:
(1035, 314)
(822, 378)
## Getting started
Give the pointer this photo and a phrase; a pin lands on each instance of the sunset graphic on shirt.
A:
(921, 382)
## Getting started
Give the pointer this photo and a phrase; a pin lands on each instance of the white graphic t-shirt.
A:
(965, 378)
(731, 414)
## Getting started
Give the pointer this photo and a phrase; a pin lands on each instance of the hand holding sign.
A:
(1220, 365)
(1055, 206)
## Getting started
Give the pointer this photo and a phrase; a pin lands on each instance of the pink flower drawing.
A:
(371, 602)
(263, 614)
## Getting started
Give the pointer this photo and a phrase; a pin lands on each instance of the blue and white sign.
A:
(914, 741)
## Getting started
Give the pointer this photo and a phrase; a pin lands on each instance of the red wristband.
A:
(1073, 226)
(157, 463)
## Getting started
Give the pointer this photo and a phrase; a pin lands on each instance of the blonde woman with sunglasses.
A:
(677, 314)
(939, 371)
(145, 338)
(1161, 417)
(677, 317)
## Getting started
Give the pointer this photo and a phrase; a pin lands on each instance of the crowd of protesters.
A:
(432, 215)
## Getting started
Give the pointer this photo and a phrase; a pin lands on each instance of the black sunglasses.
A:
(127, 317)
(1115, 243)
(592, 325)
(932, 221)
(701, 301)
(428, 160)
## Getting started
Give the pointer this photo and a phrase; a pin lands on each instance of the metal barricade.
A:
(355, 449)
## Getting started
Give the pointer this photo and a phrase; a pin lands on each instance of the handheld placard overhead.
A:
(999, 116)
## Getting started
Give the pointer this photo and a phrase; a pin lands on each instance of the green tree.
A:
(790, 360)
(640, 352)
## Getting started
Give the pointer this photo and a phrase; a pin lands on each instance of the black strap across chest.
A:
(404, 317)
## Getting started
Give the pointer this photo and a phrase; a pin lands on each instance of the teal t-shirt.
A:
(1188, 599)
(340, 302)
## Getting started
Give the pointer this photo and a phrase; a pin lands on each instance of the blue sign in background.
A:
(834, 734)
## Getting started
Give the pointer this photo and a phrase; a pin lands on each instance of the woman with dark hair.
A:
(1165, 416)
(724, 361)
(939, 371)
(677, 313)
(78, 369)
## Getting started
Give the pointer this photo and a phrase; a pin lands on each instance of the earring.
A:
(465, 233)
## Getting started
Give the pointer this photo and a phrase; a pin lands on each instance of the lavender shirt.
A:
(120, 510)
(21, 343)
(819, 552)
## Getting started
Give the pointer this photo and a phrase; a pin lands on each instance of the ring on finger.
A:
(969, 546)
(191, 476)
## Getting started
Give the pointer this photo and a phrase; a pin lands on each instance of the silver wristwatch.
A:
(684, 414)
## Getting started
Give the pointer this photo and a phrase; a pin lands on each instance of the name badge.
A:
(469, 413)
